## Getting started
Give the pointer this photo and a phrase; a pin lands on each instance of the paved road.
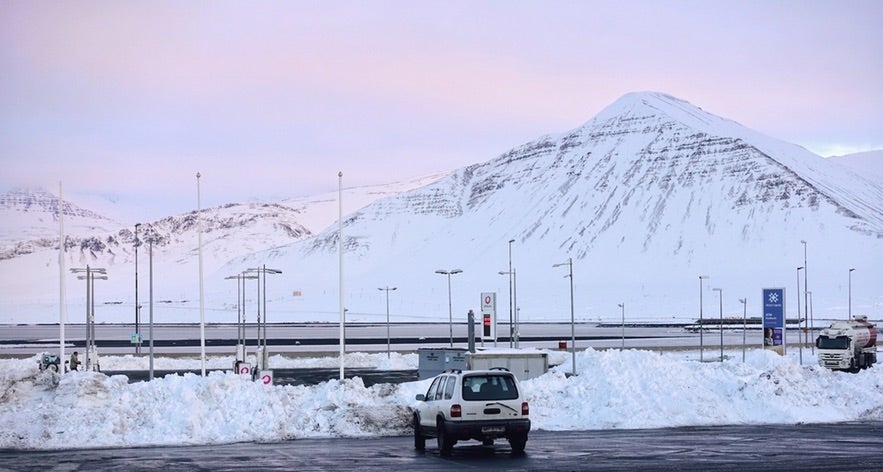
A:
(171, 339)
(825, 447)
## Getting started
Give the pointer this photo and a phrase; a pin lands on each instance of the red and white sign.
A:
(266, 377)
(245, 369)
(489, 316)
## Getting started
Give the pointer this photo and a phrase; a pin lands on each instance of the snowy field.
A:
(628, 389)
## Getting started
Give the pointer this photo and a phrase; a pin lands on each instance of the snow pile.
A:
(629, 389)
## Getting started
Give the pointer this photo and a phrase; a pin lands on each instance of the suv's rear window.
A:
(489, 387)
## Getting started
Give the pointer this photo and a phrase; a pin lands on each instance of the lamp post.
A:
(849, 314)
(92, 273)
(720, 293)
(449, 273)
(812, 324)
(258, 271)
(622, 305)
(511, 302)
(805, 288)
(513, 332)
(387, 290)
(340, 267)
(150, 241)
(744, 302)
(701, 342)
(201, 286)
(569, 275)
(137, 307)
(799, 339)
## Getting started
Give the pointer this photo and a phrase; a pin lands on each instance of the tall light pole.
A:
(805, 288)
(137, 307)
(622, 305)
(511, 303)
(340, 265)
(849, 314)
(201, 286)
(387, 290)
(263, 270)
(92, 273)
(150, 279)
(812, 325)
(701, 342)
(720, 293)
(449, 273)
(799, 339)
(513, 333)
(569, 275)
(744, 302)
(62, 311)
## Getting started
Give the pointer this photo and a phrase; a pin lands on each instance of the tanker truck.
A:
(848, 345)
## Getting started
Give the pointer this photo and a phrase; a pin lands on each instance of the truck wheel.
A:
(445, 443)
(53, 367)
(419, 438)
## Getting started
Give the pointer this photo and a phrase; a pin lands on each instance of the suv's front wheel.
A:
(419, 438)
(445, 442)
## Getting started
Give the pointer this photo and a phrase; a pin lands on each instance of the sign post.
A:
(489, 317)
(774, 319)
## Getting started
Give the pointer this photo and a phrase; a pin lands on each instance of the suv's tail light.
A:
(456, 411)
(525, 409)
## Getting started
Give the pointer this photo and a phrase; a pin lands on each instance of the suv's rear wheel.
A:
(518, 443)
(445, 443)
(419, 438)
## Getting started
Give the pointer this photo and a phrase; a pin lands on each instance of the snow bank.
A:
(628, 389)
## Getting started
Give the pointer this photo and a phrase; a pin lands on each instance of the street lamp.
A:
(92, 273)
(137, 307)
(449, 273)
(812, 324)
(720, 293)
(622, 305)
(701, 342)
(513, 332)
(569, 275)
(744, 302)
(387, 290)
(201, 285)
(263, 270)
(805, 288)
(511, 302)
(849, 315)
(150, 241)
(799, 339)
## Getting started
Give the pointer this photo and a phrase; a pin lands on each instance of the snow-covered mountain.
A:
(868, 163)
(29, 260)
(31, 214)
(645, 197)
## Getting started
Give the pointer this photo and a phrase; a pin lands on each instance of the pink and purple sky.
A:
(271, 99)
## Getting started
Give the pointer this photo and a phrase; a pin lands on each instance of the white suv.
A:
(472, 404)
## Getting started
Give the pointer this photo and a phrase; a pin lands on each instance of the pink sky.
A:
(271, 99)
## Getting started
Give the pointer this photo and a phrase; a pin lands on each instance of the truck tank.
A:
(863, 333)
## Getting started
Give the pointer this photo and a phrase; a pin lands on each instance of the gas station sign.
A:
(489, 316)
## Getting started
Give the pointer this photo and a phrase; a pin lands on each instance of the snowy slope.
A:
(645, 197)
(32, 214)
(29, 267)
(869, 164)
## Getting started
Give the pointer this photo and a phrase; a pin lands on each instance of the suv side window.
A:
(430, 394)
(441, 387)
(449, 388)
